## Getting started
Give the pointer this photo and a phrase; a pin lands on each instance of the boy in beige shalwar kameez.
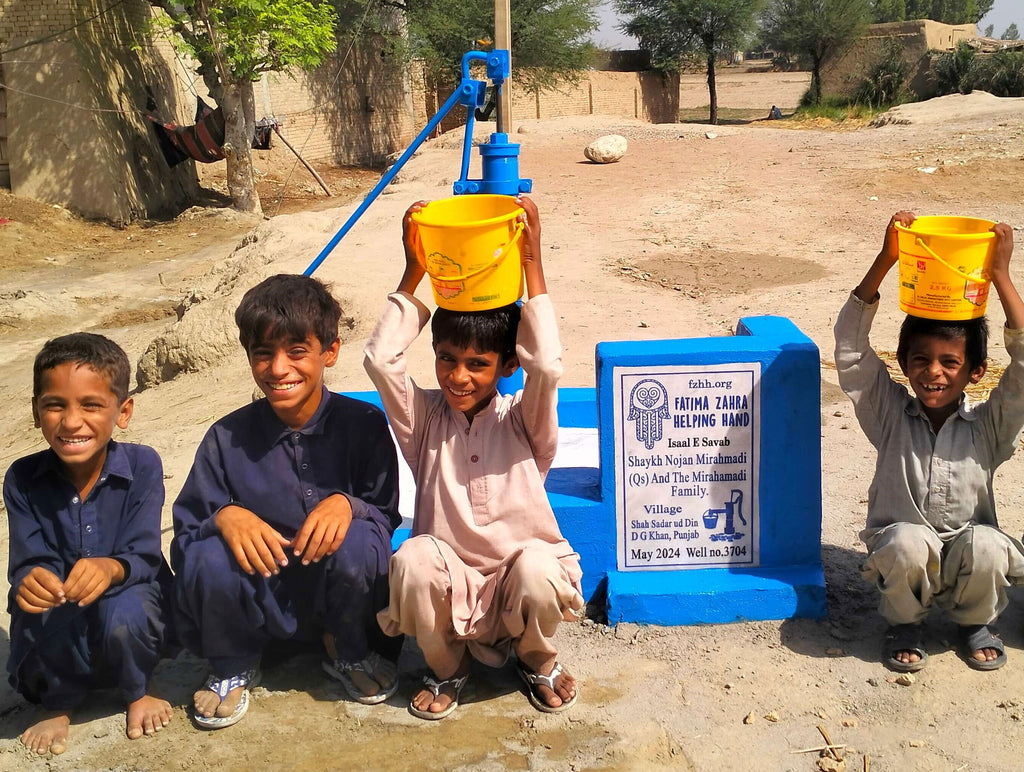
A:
(486, 569)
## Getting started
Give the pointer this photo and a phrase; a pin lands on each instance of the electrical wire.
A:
(44, 38)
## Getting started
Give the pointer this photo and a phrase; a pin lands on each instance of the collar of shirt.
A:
(965, 409)
(116, 464)
(275, 430)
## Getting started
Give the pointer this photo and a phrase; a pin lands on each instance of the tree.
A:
(671, 28)
(946, 11)
(815, 29)
(550, 38)
(989, 30)
(235, 41)
(1010, 33)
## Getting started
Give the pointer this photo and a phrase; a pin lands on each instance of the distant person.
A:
(282, 530)
(487, 571)
(86, 603)
(932, 534)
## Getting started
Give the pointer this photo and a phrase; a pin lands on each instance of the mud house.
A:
(918, 39)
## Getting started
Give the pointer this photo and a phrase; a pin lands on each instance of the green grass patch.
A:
(837, 110)
(726, 115)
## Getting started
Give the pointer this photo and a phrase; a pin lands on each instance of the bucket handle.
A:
(497, 258)
(948, 267)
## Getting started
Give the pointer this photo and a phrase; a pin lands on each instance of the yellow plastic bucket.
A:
(944, 266)
(470, 248)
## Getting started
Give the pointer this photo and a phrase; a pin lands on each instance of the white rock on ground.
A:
(607, 149)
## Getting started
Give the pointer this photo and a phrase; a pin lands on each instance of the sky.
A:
(1003, 12)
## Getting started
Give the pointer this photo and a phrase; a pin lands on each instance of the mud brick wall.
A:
(842, 76)
(648, 96)
(76, 135)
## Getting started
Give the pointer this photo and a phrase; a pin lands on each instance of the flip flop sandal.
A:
(339, 670)
(435, 688)
(974, 637)
(533, 679)
(904, 638)
(221, 687)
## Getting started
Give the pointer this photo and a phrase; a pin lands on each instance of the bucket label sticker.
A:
(438, 266)
(687, 440)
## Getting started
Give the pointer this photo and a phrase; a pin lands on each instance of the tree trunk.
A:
(239, 106)
(816, 81)
(712, 90)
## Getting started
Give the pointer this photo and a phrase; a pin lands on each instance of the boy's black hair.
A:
(287, 306)
(973, 332)
(493, 330)
(84, 348)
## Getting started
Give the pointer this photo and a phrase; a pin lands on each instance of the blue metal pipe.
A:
(385, 180)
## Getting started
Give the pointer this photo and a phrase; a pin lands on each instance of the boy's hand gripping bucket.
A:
(944, 267)
(470, 248)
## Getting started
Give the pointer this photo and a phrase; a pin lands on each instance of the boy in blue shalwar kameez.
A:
(86, 571)
(283, 527)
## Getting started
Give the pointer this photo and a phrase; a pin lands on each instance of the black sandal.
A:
(905, 637)
(976, 637)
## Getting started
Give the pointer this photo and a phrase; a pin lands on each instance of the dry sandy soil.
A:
(688, 233)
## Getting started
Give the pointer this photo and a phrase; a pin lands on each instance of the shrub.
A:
(956, 70)
(886, 83)
(1002, 74)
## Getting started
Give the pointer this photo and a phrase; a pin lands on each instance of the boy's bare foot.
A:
(425, 701)
(147, 715)
(906, 656)
(373, 680)
(564, 684)
(380, 679)
(50, 735)
(981, 647)
(209, 704)
(903, 650)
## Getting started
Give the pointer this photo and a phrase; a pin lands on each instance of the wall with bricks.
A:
(842, 76)
(76, 136)
(648, 96)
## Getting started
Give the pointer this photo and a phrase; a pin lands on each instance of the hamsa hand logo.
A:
(648, 407)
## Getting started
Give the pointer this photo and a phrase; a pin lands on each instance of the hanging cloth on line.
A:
(202, 141)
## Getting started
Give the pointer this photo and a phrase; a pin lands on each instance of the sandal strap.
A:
(436, 686)
(544, 680)
(222, 686)
(369, 664)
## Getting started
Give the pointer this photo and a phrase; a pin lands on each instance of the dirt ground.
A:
(695, 228)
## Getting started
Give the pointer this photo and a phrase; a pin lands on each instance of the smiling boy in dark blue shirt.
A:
(84, 522)
(283, 527)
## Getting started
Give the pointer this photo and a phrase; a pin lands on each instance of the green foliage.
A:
(670, 29)
(946, 11)
(673, 29)
(245, 38)
(1002, 74)
(550, 38)
(886, 83)
(834, 109)
(963, 70)
(956, 70)
(889, 10)
(989, 30)
(1010, 33)
(815, 30)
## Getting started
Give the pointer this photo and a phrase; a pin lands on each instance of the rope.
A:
(71, 104)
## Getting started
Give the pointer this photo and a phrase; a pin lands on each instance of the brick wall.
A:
(76, 136)
(648, 96)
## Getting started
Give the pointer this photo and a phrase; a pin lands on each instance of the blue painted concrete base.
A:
(715, 595)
